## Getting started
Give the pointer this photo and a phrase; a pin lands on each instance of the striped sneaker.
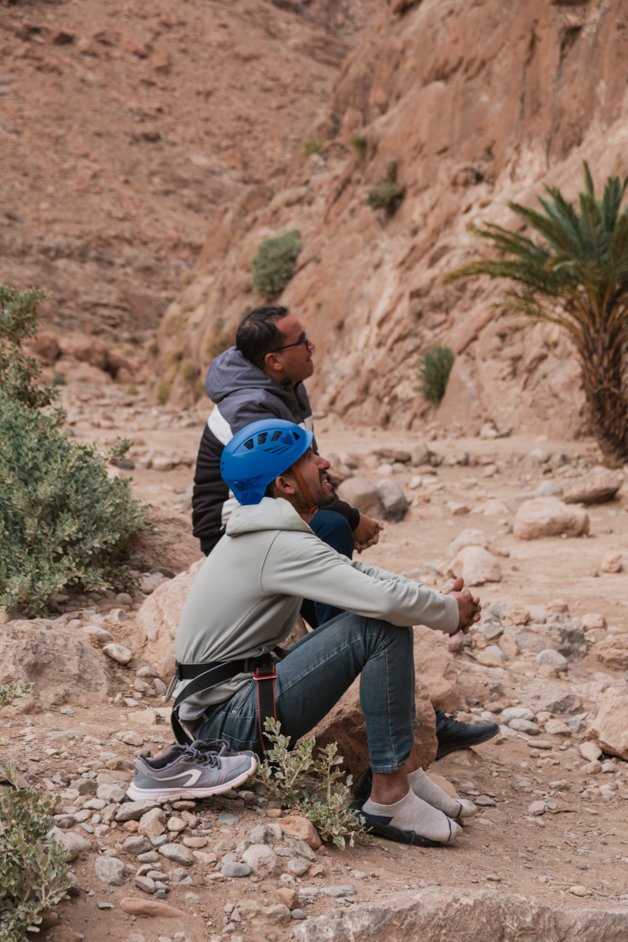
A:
(195, 771)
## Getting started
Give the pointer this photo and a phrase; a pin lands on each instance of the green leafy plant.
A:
(311, 784)
(434, 373)
(64, 524)
(312, 147)
(273, 265)
(359, 144)
(19, 372)
(573, 271)
(34, 874)
(387, 194)
(11, 692)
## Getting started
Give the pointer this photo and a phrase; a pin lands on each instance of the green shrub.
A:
(312, 147)
(273, 266)
(11, 692)
(387, 194)
(162, 393)
(34, 875)
(312, 785)
(18, 371)
(359, 144)
(64, 524)
(436, 366)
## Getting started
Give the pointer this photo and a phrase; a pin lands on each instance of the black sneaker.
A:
(453, 735)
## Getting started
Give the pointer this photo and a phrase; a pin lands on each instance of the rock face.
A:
(369, 288)
(475, 917)
(548, 516)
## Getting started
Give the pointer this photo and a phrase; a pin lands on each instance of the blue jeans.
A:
(313, 677)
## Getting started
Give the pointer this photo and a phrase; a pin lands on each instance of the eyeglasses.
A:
(304, 341)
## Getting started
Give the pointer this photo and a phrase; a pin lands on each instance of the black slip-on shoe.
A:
(453, 735)
(378, 825)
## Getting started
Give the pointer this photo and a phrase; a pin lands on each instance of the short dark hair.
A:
(258, 333)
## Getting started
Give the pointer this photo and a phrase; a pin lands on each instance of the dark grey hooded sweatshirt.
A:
(242, 393)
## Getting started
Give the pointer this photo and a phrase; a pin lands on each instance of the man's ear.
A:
(282, 486)
(271, 363)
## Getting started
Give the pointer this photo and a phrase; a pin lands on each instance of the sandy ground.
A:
(581, 841)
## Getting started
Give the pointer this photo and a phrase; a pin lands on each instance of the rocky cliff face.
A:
(477, 104)
(124, 125)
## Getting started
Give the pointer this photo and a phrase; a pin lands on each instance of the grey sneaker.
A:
(194, 771)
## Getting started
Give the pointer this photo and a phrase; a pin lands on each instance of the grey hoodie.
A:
(247, 594)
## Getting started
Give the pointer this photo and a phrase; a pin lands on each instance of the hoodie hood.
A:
(272, 513)
(231, 372)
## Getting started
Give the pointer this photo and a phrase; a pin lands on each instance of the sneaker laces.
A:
(203, 753)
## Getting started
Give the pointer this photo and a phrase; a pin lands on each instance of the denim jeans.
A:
(313, 676)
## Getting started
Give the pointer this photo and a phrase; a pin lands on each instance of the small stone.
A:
(134, 810)
(111, 792)
(524, 726)
(178, 853)
(612, 562)
(118, 652)
(553, 659)
(131, 738)
(261, 858)
(150, 907)
(485, 801)
(579, 890)
(73, 843)
(153, 822)
(97, 634)
(146, 884)
(536, 808)
(110, 870)
(235, 869)
(300, 828)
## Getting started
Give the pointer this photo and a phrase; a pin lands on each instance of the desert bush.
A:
(162, 392)
(311, 784)
(34, 875)
(434, 372)
(64, 524)
(19, 372)
(11, 692)
(312, 147)
(387, 194)
(573, 271)
(359, 144)
(218, 342)
(273, 265)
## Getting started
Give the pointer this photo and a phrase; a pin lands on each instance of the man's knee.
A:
(334, 529)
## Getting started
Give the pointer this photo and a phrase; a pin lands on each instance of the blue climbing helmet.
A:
(259, 453)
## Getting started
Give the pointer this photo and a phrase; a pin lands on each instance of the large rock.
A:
(394, 501)
(362, 494)
(61, 667)
(344, 725)
(613, 652)
(610, 723)
(436, 670)
(476, 566)
(601, 484)
(548, 516)
(159, 618)
(472, 916)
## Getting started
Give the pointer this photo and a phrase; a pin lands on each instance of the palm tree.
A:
(575, 275)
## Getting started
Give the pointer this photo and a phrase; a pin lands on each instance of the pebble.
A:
(536, 808)
(235, 869)
(578, 890)
(110, 870)
(485, 801)
(524, 726)
(131, 738)
(149, 907)
(118, 652)
(133, 810)
(261, 858)
(178, 853)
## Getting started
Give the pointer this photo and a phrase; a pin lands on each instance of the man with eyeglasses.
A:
(263, 377)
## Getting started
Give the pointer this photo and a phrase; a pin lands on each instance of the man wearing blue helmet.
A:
(243, 604)
(263, 377)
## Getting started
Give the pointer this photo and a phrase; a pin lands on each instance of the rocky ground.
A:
(547, 855)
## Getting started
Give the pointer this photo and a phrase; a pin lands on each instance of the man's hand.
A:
(469, 608)
(366, 533)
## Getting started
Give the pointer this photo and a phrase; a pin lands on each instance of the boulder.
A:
(362, 494)
(61, 667)
(436, 669)
(159, 618)
(476, 566)
(344, 725)
(472, 915)
(612, 562)
(610, 724)
(548, 516)
(601, 484)
(393, 499)
(613, 652)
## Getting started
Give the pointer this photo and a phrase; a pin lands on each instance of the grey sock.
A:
(433, 794)
(413, 814)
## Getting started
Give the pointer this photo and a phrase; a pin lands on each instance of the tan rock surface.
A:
(610, 723)
(548, 516)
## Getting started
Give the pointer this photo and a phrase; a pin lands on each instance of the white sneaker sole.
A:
(175, 794)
